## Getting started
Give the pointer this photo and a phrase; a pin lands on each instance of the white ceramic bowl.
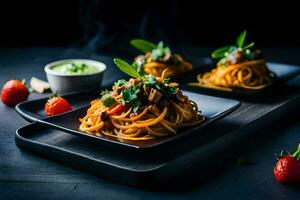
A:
(65, 83)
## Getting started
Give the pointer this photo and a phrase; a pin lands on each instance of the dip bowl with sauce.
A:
(72, 75)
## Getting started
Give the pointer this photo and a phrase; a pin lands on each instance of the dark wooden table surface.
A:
(26, 176)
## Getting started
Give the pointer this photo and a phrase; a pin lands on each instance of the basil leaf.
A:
(143, 45)
(126, 68)
(219, 53)
(134, 66)
(241, 39)
(248, 46)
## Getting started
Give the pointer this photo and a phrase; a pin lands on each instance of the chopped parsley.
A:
(150, 80)
(104, 92)
(160, 51)
(136, 104)
(106, 98)
(120, 82)
(108, 101)
(130, 94)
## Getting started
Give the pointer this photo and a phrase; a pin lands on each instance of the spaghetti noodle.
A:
(173, 68)
(140, 109)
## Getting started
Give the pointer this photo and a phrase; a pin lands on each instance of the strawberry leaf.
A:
(296, 154)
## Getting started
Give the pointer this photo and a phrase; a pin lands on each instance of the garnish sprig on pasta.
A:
(157, 58)
(238, 53)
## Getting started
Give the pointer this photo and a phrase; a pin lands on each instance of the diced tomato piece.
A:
(114, 110)
(56, 106)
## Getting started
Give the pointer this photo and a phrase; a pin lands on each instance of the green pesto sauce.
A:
(75, 68)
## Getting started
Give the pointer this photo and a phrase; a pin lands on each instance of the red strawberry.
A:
(287, 168)
(14, 92)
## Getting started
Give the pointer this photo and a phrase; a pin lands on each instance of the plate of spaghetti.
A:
(143, 112)
(241, 67)
(159, 59)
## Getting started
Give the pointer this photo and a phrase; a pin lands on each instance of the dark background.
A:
(108, 25)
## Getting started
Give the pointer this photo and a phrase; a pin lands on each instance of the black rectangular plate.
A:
(212, 108)
(283, 73)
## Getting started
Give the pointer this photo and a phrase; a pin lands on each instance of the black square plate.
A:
(212, 108)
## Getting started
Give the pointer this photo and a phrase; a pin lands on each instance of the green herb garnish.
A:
(220, 53)
(130, 97)
(157, 51)
(143, 45)
(160, 51)
(127, 68)
(109, 101)
(166, 82)
(74, 67)
(136, 105)
(241, 39)
(120, 82)
(224, 51)
(106, 98)
(130, 94)
(150, 80)
(104, 92)
(139, 68)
